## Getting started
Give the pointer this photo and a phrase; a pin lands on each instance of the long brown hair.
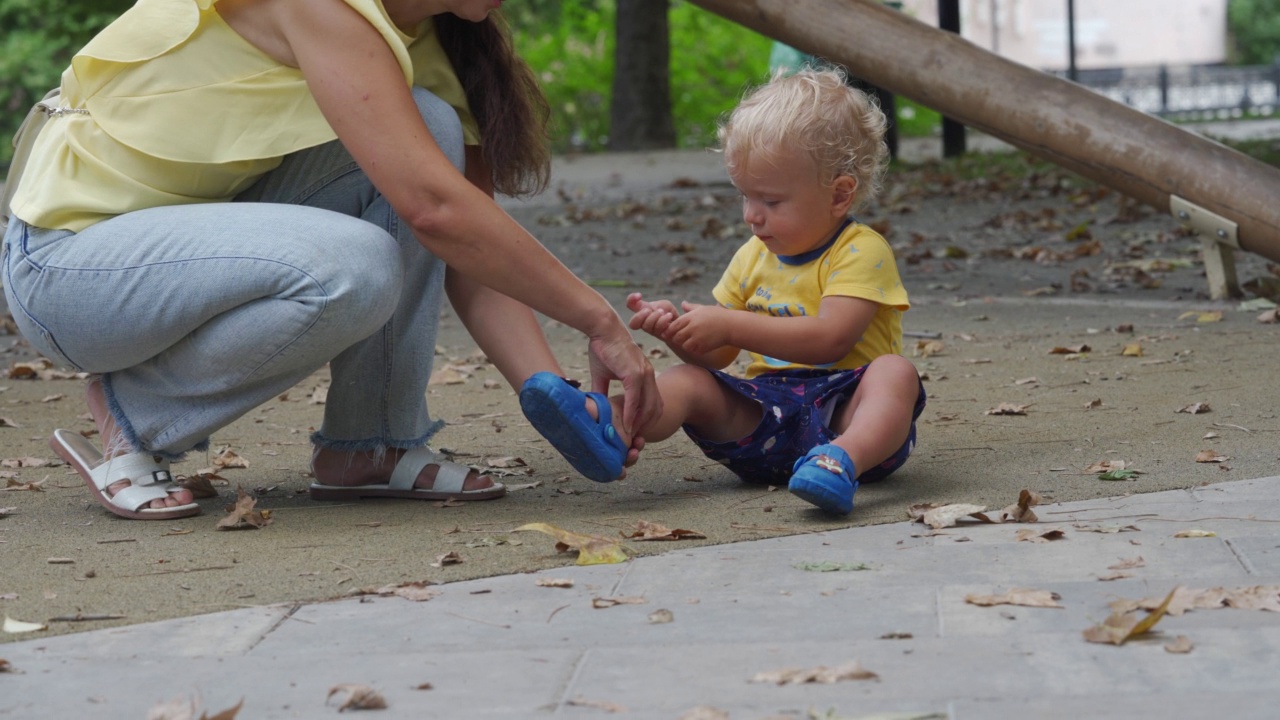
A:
(505, 99)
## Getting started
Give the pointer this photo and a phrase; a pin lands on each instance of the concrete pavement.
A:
(508, 647)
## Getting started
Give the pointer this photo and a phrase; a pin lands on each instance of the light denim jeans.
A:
(196, 314)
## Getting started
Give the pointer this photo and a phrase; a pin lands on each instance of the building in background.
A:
(1109, 33)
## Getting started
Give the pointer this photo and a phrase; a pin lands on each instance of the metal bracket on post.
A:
(1218, 241)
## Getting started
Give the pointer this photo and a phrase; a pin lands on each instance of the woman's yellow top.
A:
(168, 105)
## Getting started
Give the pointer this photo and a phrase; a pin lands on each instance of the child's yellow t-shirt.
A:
(857, 263)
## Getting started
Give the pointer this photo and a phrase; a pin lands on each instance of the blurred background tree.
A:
(38, 41)
(1255, 30)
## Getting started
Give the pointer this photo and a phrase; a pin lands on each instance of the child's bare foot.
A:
(114, 445)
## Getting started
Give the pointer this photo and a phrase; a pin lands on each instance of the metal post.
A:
(1071, 41)
(953, 134)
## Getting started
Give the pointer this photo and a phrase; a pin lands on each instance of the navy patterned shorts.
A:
(797, 406)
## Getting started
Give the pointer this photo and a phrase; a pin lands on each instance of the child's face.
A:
(787, 205)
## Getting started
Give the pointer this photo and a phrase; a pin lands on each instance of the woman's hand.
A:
(615, 356)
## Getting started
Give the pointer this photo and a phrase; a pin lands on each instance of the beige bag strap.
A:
(23, 141)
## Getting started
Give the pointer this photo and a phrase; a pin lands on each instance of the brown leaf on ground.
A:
(183, 709)
(1210, 316)
(1132, 350)
(356, 697)
(505, 463)
(1025, 597)
(1021, 511)
(1256, 597)
(608, 602)
(7, 423)
(1210, 456)
(27, 462)
(928, 348)
(1039, 536)
(227, 459)
(592, 550)
(1180, 645)
(555, 582)
(704, 712)
(201, 485)
(1071, 350)
(597, 704)
(1115, 576)
(449, 558)
(820, 674)
(1195, 408)
(1193, 533)
(941, 516)
(1119, 628)
(13, 485)
(645, 530)
(416, 590)
(661, 616)
(1106, 466)
(241, 515)
(1129, 564)
(1005, 408)
(5, 667)
(1269, 316)
(7, 511)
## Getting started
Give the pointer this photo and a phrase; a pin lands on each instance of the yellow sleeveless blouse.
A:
(168, 105)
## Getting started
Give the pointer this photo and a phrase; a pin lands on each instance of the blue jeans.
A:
(196, 314)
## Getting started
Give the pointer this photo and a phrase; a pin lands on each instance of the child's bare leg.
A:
(692, 395)
(875, 422)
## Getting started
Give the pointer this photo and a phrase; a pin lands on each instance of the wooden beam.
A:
(1137, 154)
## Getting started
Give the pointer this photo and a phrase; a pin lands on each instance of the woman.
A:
(126, 258)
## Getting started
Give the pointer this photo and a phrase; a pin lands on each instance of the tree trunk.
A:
(640, 114)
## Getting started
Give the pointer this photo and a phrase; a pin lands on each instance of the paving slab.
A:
(506, 646)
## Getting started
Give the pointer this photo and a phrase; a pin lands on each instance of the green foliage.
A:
(39, 39)
(570, 47)
(1255, 27)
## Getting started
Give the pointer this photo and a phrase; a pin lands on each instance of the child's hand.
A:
(653, 317)
(700, 330)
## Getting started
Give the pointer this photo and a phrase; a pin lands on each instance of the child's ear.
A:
(843, 190)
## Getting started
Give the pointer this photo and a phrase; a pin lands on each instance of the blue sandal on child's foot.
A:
(558, 411)
(825, 476)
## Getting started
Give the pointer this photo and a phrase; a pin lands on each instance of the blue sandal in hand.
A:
(825, 476)
(558, 411)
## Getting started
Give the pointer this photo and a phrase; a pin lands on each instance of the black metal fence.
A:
(1193, 92)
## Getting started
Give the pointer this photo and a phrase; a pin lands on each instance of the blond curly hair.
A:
(815, 112)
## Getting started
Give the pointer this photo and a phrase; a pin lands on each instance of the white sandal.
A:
(148, 477)
(447, 486)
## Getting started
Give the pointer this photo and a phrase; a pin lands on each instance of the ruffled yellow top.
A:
(170, 106)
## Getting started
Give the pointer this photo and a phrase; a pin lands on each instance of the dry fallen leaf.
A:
(1071, 350)
(1115, 576)
(555, 582)
(1103, 466)
(592, 550)
(227, 459)
(416, 590)
(1210, 456)
(660, 616)
(1256, 597)
(820, 674)
(608, 602)
(182, 709)
(1202, 317)
(449, 558)
(929, 348)
(16, 627)
(1193, 533)
(1129, 564)
(940, 516)
(1195, 408)
(241, 515)
(201, 485)
(1119, 628)
(1021, 511)
(356, 697)
(597, 704)
(5, 667)
(1005, 408)
(704, 712)
(1025, 597)
(1039, 536)
(1179, 646)
(645, 530)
